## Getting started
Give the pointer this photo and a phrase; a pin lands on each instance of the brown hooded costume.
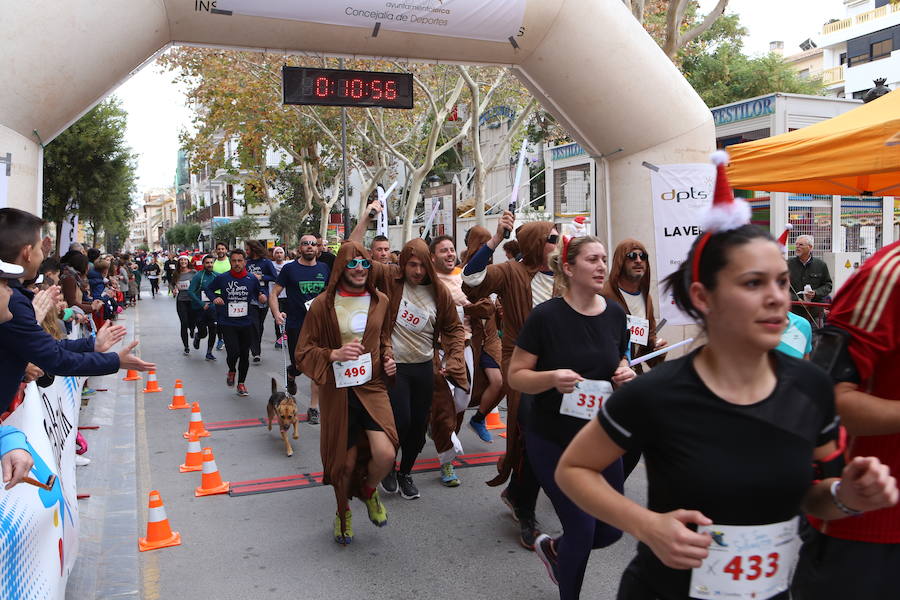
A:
(320, 335)
(611, 291)
(511, 281)
(390, 280)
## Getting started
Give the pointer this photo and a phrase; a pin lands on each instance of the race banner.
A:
(39, 528)
(681, 193)
(68, 235)
(494, 20)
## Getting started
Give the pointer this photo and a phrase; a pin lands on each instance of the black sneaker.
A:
(407, 488)
(187, 351)
(256, 360)
(389, 483)
(543, 547)
(528, 531)
(312, 416)
(292, 386)
(197, 341)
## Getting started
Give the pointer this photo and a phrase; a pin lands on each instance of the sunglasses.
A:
(309, 243)
(636, 255)
(358, 262)
(552, 238)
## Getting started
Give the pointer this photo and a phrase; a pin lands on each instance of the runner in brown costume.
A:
(520, 286)
(359, 439)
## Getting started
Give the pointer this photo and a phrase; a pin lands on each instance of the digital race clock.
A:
(341, 87)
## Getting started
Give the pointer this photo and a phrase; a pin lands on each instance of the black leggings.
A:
(187, 316)
(293, 336)
(206, 326)
(411, 403)
(523, 484)
(237, 348)
(581, 531)
(258, 320)
(154, 286)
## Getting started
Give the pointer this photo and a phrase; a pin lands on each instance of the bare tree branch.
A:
(707, 22)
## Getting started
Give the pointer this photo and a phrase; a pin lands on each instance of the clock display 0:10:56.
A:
(354, 89)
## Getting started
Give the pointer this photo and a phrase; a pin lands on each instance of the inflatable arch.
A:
(587, 61)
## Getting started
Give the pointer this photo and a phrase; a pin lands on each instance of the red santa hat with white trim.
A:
(783, 238)
(726, 212)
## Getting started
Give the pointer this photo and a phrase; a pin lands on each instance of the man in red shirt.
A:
(859, 556)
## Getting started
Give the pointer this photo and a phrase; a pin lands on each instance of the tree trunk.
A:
(413, 194)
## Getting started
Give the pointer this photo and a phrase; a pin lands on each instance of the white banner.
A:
(4, 186)
(69, 234)
(39, 528)
(494, 20)
(681, 193)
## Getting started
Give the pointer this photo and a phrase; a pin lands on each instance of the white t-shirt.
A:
(413, 337)
(278, 268)
(635, 303)
(541, 288)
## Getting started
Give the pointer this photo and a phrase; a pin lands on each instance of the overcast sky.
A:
(156, 109)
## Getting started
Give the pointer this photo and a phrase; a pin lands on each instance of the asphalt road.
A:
(450, 544)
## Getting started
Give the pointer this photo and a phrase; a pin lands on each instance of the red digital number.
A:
(390, 90)
(593, 401)
(322, 87)
(581, 399)
(377, 93)
(362, 370)
(357, 88)
(754, 568)
(347, 373)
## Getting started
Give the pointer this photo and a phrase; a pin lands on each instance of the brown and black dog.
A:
(283, 406)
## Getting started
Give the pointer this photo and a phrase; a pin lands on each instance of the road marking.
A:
(308, 480)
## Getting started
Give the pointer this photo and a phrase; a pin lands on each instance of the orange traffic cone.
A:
(178, 400)
(159, 534)
(131, 375)
(152, 383)
(211, 482)
(196, 425)
(493, 420)
(193, 459)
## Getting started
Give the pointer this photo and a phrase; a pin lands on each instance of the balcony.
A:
(205, 214)
(833, 75)
(861, 18)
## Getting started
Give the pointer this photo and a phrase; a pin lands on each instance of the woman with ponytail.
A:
(569, 355)
(728, 434)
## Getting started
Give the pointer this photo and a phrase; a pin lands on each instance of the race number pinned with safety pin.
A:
(183, 285)
(747, 561)
(352, 372)
(640, 330)
(585, 400)
(237, 309)
(411, 317)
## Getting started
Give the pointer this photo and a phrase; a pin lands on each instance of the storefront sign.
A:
(39, 528)
(494, 20)
(745, 110)
(567, 151)
(680, 195)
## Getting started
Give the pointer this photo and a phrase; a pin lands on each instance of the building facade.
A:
(861, 47)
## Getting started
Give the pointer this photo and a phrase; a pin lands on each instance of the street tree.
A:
(89, 171)
(674, 24)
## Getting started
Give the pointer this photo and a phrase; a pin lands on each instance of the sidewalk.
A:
(107, 565)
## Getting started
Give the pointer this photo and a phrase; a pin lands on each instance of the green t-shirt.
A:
(221, 266)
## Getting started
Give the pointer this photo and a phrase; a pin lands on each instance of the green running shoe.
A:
(377, 511)
(448, 475)
(343, 536)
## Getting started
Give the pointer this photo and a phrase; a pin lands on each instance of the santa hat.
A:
(783, 238)
(727, 212)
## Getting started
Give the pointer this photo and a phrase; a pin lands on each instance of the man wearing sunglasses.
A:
(628, 284)
(302, 279)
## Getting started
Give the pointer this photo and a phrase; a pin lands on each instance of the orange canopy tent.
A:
(846, 155)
